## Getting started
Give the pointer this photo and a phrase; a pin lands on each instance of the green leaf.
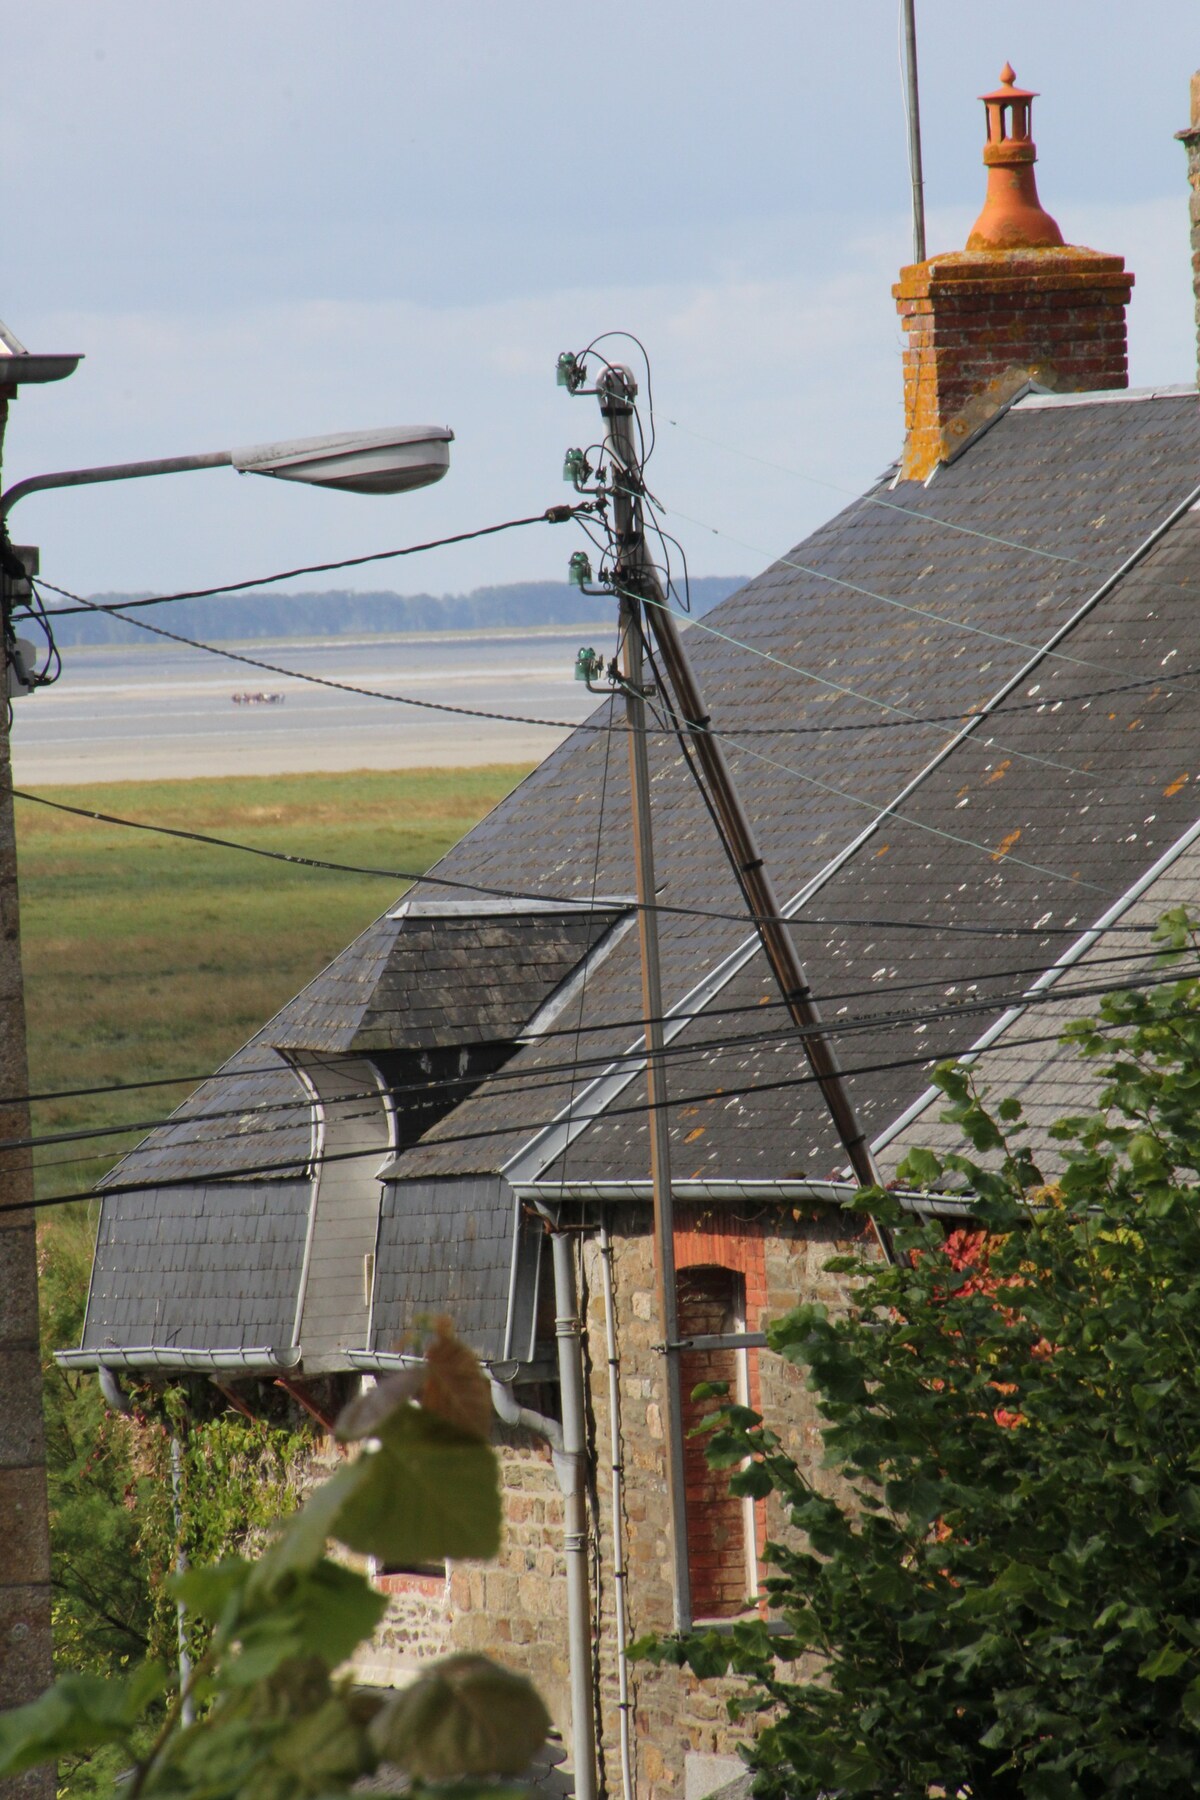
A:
(79, 1713)
(212, 1590)
(466, 1716)
(429, 1491)
(302, 1541)
(1166, 1661)
(1191, 1703)
(919, 1169)
(336, 1609)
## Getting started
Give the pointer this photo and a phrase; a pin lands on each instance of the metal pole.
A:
(617, 389)
(25, 1661)
(163, 465)
(773, 931)
(568, 1336)
(620, 1572)
(912, 107)
(187, 1709)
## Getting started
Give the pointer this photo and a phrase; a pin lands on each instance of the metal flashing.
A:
(1037, 397)
(491, 907)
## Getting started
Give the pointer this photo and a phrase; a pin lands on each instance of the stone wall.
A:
(678, 1720)
(512, 1609)
(515, 1608)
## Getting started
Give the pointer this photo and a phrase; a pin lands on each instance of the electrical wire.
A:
(586, 966)
(869, 499)
(327, 681)
(553, 515)
(907, 719)
(546, 1076)
(924, 1060)
(633, 1023)
(985, 928)
(891, 812)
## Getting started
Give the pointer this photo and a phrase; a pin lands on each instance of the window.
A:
(720, 1525)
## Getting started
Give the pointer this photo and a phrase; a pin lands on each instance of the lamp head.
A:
(360, 462)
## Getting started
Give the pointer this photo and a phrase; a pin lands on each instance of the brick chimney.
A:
(1017, 305)
(1191, 142)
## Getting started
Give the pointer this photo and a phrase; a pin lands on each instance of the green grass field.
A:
(148, 956)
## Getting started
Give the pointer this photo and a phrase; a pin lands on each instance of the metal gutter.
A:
(1048, 978)
(542, 1149)
(382, 1362)
(783, 1193)
(267, 1360)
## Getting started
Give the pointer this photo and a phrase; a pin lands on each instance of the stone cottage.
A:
(962, 722)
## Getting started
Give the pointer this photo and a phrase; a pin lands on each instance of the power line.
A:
(986, 929)
(530, 1127)
(868, 499)
(327, 681)
(966, 980)
(553, 515)
(545, 1076)
(906, 719)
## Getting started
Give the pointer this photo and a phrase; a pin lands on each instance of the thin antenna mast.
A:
(912, 107)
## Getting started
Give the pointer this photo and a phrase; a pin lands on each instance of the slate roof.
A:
(910, 834)
(416, 981)
(1037, 820)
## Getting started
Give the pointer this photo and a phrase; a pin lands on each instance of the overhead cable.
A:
(544, 1076)
(203, 1178)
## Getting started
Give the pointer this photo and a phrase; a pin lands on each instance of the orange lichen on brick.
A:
(982, 323)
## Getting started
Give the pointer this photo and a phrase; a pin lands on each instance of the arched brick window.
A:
(720, 1526)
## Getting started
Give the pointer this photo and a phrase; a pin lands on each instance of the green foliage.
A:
(275, 1720)
(1001, 1594)
(102, 1607)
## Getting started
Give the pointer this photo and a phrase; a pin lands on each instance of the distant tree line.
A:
(340, 613)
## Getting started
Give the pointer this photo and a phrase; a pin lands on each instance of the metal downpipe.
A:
(572, 1479)
(620, 1573)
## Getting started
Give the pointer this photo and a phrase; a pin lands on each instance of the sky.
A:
(272, 218)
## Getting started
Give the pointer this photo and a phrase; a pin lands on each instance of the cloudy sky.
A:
(264, 218)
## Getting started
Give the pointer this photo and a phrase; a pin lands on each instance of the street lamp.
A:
(392, 461)
(362, 462)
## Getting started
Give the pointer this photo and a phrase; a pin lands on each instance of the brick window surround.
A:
(721, 1285)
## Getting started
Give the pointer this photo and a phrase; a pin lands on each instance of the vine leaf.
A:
(465, 1716)
(429, 1491)
(456, 1388)
(301, 1543)
(80, 1712)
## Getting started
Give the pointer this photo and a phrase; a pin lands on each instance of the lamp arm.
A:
(163, 465)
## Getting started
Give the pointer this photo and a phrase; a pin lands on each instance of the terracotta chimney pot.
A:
(1012, 216)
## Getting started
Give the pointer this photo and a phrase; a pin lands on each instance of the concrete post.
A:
(25, 1641)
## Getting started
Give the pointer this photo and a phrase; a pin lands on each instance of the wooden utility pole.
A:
(617, 407)
(642, 596)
